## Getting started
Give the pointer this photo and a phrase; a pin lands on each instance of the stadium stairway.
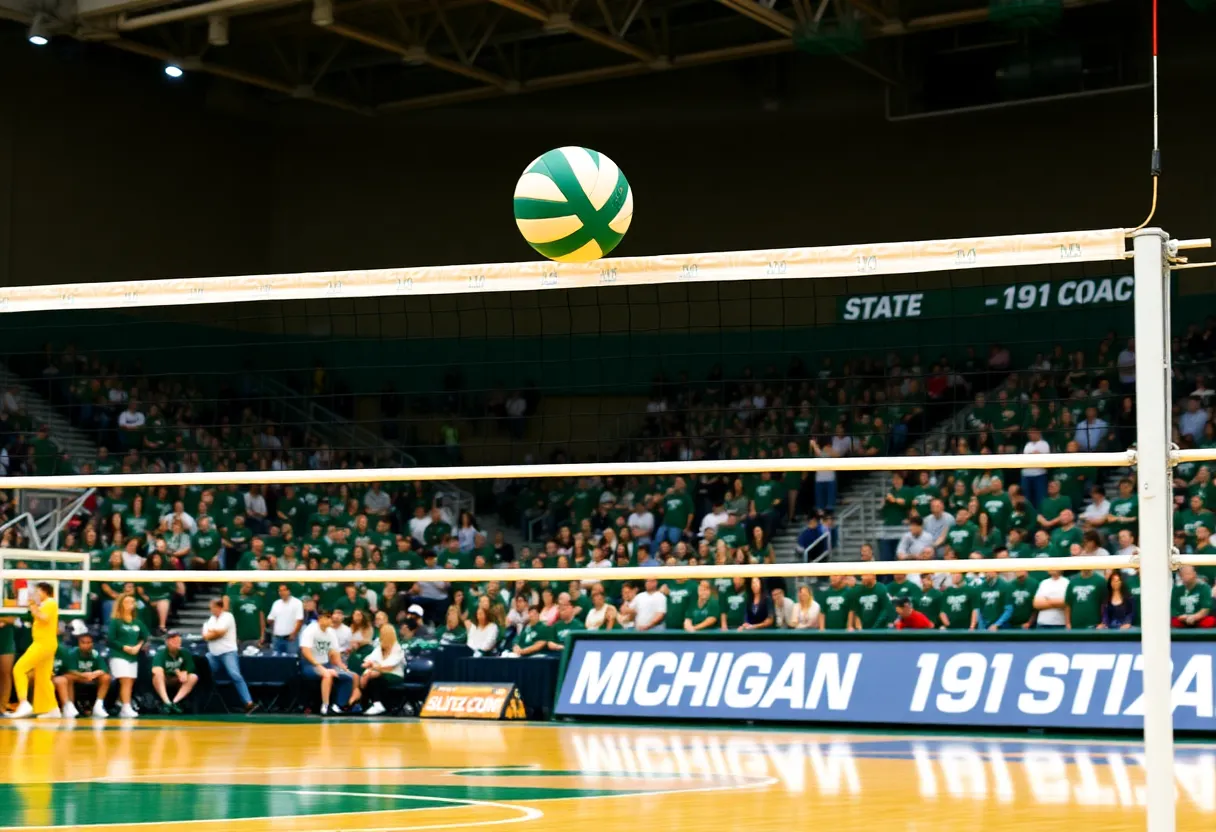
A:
(70, 440)
(857, 517)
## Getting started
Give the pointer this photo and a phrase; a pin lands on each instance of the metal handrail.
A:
(449, 495)
(58, 518)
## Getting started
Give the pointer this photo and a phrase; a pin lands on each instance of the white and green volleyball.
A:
(573, 205)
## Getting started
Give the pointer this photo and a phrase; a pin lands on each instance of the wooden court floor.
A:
(303, 774)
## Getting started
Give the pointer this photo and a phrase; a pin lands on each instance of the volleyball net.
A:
(712, 355)
(672, 387)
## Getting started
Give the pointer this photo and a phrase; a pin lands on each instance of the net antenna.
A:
(1155, 168)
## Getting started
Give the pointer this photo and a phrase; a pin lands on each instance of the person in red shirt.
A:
(909, 618)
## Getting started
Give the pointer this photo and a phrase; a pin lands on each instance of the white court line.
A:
(529, 813)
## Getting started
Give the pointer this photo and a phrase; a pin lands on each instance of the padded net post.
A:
(1156, 506)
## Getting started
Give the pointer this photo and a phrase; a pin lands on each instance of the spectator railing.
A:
(344, 434)
(42, 524)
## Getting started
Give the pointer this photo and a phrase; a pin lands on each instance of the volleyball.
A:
(573, 205)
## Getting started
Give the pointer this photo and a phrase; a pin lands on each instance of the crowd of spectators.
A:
(1062, 402)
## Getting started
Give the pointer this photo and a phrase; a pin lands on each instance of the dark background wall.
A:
(107, 171)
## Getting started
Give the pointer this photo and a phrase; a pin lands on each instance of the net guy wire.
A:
(809, 262)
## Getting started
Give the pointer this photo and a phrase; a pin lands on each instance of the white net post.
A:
(1156, 506)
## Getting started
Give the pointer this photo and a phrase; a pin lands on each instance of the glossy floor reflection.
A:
(306, 775)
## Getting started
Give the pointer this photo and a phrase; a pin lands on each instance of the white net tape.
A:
(590, 469)
(623, 573)
(815, 262)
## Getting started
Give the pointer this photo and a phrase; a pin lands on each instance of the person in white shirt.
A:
(937, 525)
(806, 611)
(418, 524)
(376, 500)
(641, 524)
(131, 419)
(1126, 363)
(1127, 544)
(383, 668)
(916, 544)
(1097, 511)
(286, 618)
(1049, 600)
(179, 514)
(599, 609)
(219, 632)
(715, 518)
(650, 608)
(784, 610)
(600, 561)
(341, 631)
(482, 632)
(1034, 480)
(320, 659)
(517, 618)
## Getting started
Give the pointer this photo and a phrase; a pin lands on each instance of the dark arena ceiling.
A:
(388, 56)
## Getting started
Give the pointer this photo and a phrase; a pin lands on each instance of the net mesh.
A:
(975, 361)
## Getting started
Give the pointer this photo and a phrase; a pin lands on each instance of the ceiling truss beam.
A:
(561, 22)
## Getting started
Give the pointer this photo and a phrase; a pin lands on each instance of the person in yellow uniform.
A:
(39, 657)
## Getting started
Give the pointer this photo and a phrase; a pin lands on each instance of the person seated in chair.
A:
(173, 671)
(83, 667)
(383, 669)
(321, 659)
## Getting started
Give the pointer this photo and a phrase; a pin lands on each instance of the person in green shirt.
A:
(1042, 545)
(923, 494)
(1124, 509)
(998, 505)
(705, 613)
(834, 608)
(248, 609)
(1194, 517)
(1021, 592)
(351, 600)
(901, 587)
(930, 600)
(734, 604)
(892, 513)
(958, 605)
(453, 631)
(83, 665)
(733, 533)
(1084, 599)
(567, 622)
(1051, 506)
(678, 513)
(1204, 546)
(994, 603)
(173, 672)
(535, 637)
(963, 535)
(205, 545)
(340, 548)
(126, 638)
(1066, 534)
(44, 453)
(1015, 542)
(679, 597)
(870, 605)
(1191, 601)
(436, 530)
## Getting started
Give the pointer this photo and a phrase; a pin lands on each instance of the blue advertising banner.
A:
(1071, 683)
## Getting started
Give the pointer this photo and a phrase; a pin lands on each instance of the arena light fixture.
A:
(174, 71)
(39, 33)
(323, 12)
(217, 30)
